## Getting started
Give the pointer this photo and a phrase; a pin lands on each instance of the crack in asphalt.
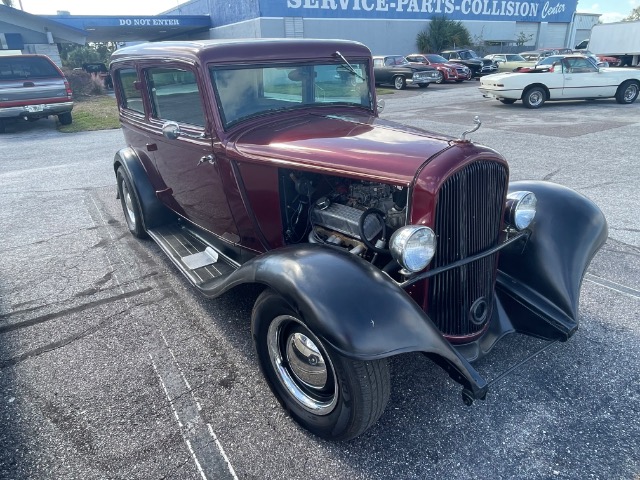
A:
(66, 341)
(82, 293)
(79, 308)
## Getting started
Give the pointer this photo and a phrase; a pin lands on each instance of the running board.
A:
(197, 260)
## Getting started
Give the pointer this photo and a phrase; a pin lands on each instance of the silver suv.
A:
(33, 87)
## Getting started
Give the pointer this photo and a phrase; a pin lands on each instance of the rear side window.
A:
(20, 68)
(175, 96)
(131, 96)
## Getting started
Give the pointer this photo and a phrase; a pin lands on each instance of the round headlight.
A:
(521, 209)
(413, 247)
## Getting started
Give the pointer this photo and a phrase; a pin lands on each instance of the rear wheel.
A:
(399, 82)
(130, 205)
(627, 92)
(65, 118)
(330, 395)
(534, 97)
(507, 101)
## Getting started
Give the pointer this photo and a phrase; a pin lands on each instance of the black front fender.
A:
(353, 306)
(539, 283)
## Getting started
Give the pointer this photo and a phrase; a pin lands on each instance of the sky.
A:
(611, 10)
(97, 7)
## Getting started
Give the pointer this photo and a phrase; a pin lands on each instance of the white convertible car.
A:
(573, 77)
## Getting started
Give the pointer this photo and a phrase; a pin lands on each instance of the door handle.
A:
(207, 158)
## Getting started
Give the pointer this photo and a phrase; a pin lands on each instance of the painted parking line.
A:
(206, 450)
(616, 287)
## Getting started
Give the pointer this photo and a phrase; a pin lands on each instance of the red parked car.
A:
(265, 162)
(448, 72)
(33, 87)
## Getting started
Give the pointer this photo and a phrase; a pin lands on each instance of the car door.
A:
(582, 79)
(186, 163)
(382, 70)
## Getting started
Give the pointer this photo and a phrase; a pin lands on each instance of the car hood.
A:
(362, 146)
(419, 67)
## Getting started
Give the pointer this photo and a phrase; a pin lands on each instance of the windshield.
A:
(515, 58)
(466, 55)
(550, 60)
(436, 59)
(248, 92)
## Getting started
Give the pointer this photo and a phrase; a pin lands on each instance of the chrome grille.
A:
(468, 218)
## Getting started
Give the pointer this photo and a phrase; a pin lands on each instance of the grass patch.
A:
(93, 113)
(384, 91)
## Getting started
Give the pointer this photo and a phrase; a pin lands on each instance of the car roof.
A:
(233, 50)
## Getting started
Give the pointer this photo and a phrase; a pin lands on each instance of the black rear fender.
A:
(154, 213)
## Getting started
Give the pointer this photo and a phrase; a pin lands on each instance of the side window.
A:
(377, 62)
(131, 97)
(175, 96)
(388, 61)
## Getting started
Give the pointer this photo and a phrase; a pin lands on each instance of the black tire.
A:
(130, 205)
(399, 82)
(440, 78)
(65, 118)
(459, 80)
(3, 127)
(339, 398)
(507, 101)
(627, 92)
(423, 85)
(534, 97)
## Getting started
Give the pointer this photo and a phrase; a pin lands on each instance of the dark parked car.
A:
(101, 71)
(33, 87)
(478, 66)
(397, 71)
(259, 162)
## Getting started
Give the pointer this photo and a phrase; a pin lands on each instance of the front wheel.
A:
(627, 92)
(440, 77)
(130, 205)
(423, 85)
(534, 97)
(399, 82)
(332, 396)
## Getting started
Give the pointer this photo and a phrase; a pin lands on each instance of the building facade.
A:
(26, 33)
(391, 26)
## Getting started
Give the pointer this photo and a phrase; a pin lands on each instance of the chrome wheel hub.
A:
(301, 365)
(630, 93)
(535, 98)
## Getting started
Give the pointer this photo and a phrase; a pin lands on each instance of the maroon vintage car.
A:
(449, 72)
(265, 162)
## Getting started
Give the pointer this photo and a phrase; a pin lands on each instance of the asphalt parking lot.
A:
(98, 330)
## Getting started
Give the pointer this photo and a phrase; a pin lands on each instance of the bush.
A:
(84, 84)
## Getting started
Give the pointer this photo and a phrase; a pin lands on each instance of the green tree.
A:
(634, 15)
(73, 56)
(8, 3)
(442, 33)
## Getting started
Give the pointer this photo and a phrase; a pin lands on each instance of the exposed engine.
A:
(356, 215)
